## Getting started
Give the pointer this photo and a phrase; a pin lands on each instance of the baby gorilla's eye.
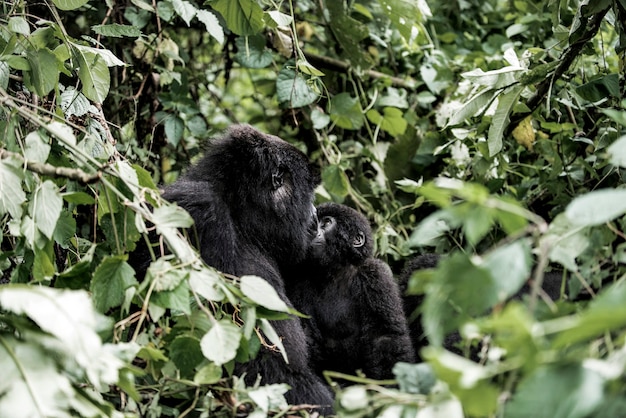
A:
(359, 240)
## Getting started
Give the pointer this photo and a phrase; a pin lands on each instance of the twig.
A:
(565, 61)
(51, 170)
(337, 65)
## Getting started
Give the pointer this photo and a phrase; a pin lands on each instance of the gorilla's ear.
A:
(359, 240)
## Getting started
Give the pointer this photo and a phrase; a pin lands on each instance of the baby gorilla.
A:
(357, 321)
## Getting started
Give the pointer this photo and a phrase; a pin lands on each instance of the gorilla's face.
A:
(344, 236)
(268, 186)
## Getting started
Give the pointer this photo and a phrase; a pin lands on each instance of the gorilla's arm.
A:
(385, 329)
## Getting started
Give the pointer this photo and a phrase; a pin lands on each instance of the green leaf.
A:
(600, 88)
(472, 107)
(618, 152)
(403, 14)
(271, 335)
(335, 180)
(17, 24)
(171, 216)
(186, 354)
(46, 208)
(500, 119)
(44, 73)
(30, 384)
(262, 293)
(477, 221)
(65, 229)
(433, 227)
(110, 281)
(79, 198)
(36, 148)
(5, 72)
(184, 9)
(571, 391)
(176, 300)
(509, 266)
(206, 283)
(451, 298)
(116, 30)
(11, 194)
(93, 74)
(605, 314)
(346, 112)
(174, 128)
(69, 317)
(252, 53)
(212, 25)
(243, 17)
(597, 207)
(220, 344)
(165, 275)
(392, 121)
(73, 102)
(69, 4)
(292, 90)
(208, 374)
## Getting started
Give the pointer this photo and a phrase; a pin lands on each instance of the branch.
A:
(566, 59)
(341, 66)
(51, 170)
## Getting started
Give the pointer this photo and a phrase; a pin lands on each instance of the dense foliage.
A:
(493, 131)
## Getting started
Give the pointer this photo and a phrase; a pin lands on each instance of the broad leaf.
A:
(94, 75)
(262, 293)
(46, 207)
(346, 112)
(110, 281)
(571, 391)
(292, 90)
(500, 119)
(212, 25)
(597, 207)
(184, 9)
(220, 344)
(11, 193)
(69, 4)
(335, 180)
(243, 17)
(116, 30)
(44, 75)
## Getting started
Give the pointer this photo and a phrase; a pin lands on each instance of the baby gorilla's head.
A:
(344, 236)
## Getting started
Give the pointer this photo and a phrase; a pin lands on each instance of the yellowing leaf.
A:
(524, 133)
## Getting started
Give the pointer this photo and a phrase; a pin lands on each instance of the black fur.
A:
(251, 197)
(357, 321)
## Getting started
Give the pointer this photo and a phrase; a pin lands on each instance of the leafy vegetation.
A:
(493, 131)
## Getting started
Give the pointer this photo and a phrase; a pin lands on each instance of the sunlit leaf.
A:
(220, 344)
(292, 89)
(46, 208)
(212, 25)
(500, 119)
(261, 292)
(597, 207)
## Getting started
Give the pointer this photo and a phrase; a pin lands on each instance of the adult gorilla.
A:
(251, 197)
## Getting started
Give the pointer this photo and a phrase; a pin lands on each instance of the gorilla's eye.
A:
(359, 240)
(327, 222)
(277, 178)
